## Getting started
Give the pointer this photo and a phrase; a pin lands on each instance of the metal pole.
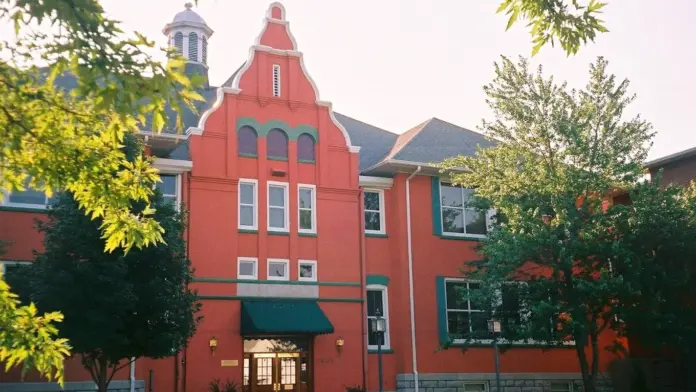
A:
(497, 363)
(379, 359)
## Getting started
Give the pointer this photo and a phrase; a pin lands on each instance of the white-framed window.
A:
(247, 268)
(561, 386)
(8, 266)
(463, 315)
(248, 204)
(170, 188)
(307, 208)
(278, 206)
(377, 301)
(307, 270)
(29, 198)
(457, 217)
(276, 80)
(374, 211)
(278, 269)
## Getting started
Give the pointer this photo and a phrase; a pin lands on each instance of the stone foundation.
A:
(82, 386)
(509, 382)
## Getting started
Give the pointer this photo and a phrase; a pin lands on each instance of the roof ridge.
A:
(459, 126)
(368, 124)
(408, 136)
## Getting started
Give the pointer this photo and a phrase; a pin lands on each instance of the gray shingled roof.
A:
(437, 140)
(375, 143)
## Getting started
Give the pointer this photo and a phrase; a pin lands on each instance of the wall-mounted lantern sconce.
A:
(213, 345)
(339, 344)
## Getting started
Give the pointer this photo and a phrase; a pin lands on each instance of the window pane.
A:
(247, 140)
(372, 201)
(305, 198)
(168, 184)
(246, 215)
(511, 305)
(475, 222)
(305, 147)
(277, 144)
(306, 219)
(306, 270)
(473, 288)
(451, 196)
(458, 323)
(456, 295)
(374, 302)
(169, 199)
(246, 193)
(479, 322)
(372, 335)
(452, 220)
(29, 196)
(276, 270)
(276, 217)
(277, 196)
(372, 221)
(246, 268)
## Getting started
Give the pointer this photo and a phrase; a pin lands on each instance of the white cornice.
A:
(376, 182)
(173, 166)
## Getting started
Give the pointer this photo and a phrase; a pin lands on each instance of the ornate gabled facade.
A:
(304, 225)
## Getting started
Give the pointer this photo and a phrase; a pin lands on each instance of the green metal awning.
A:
(284, 317)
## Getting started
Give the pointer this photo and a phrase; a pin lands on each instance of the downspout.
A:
(363, 282)
(410, 278)
(132, 375)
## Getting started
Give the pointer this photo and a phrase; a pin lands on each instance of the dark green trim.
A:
(247, 231)
(307, 234)
(376, 235)
(292, 132)
(462, 238)
(24, 209)
(382, 280)
(306, 161)
(246, 155)
(285, 233)
(437, 213)
(282, 159)
(285, 282)
(384, 351)
(242, 298)
(441, 311)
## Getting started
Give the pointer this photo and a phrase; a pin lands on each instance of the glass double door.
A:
(276, 372)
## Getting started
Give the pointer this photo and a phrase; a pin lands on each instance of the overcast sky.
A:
(395, 63)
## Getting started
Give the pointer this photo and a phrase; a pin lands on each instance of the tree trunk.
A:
(102, 377)
(588, 381)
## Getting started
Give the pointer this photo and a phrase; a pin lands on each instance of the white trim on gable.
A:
(376, 182)
(173, 166)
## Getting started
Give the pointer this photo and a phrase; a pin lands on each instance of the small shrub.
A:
(356, 388)
(229, 386)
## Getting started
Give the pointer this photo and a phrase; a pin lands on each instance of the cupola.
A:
(189, 34)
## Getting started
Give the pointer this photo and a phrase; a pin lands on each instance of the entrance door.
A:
(276, 372)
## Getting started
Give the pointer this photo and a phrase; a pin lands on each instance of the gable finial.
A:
(188, 5)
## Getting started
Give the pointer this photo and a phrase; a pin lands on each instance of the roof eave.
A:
(394, 166)
(677, 156)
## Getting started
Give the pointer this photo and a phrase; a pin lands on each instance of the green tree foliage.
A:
(118, 305)
(571, 23)
(559, 152)
(55, 139)
(29, 339)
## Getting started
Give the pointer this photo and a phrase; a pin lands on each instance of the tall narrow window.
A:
(179, 42)
(305, 148)
(247, 141)
(204, 49)
(169, 188)
(377, 304)
(307, 208)
(374, 212)
(276, 80)
(277, 206)
(248, 204)
(277, 144)
(193, 47)
(457, 217)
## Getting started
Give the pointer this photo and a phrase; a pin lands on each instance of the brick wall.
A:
(510, 382)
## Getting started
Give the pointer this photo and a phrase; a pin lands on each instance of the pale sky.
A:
(396, 63)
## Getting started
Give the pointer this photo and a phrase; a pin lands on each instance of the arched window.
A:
(305, 148)
(204, 48)
(277, 144)
(193, 47)
(179, 42)
(246, 139)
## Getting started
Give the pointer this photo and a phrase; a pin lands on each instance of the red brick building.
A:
(304, 224)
